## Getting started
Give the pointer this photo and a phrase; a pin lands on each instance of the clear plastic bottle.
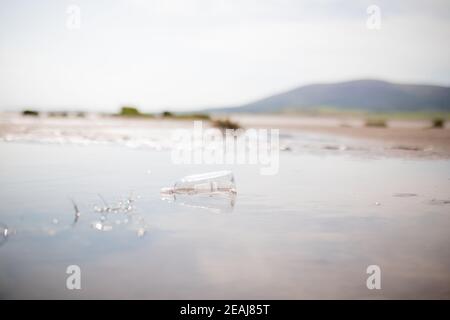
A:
(205, 183)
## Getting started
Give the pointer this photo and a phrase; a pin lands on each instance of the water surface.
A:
(308, 232)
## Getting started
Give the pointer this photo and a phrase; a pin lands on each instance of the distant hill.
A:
(366, 95)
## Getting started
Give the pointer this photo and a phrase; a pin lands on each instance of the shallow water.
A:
(308, 232)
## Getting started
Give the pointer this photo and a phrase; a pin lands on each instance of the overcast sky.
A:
(183, 54)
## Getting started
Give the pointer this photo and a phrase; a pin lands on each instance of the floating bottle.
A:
(212, 191)
(218, 182)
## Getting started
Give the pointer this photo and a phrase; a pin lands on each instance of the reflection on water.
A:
(216, 202)
(4, 233)
(308, 232)
(76, 214)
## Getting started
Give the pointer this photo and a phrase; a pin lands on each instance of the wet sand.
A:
(406, 135)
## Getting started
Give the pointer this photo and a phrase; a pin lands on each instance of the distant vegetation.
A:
(32, 113)
(54, 114)
(376, 122)
(167, 114)
(320, 111)
(225, 124)
(412, 115)
(438, 123)
(62, 114)
(186, 116)
(127, 111)
(133, 112)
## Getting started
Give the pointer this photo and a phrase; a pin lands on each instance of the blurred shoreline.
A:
(404, 138)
